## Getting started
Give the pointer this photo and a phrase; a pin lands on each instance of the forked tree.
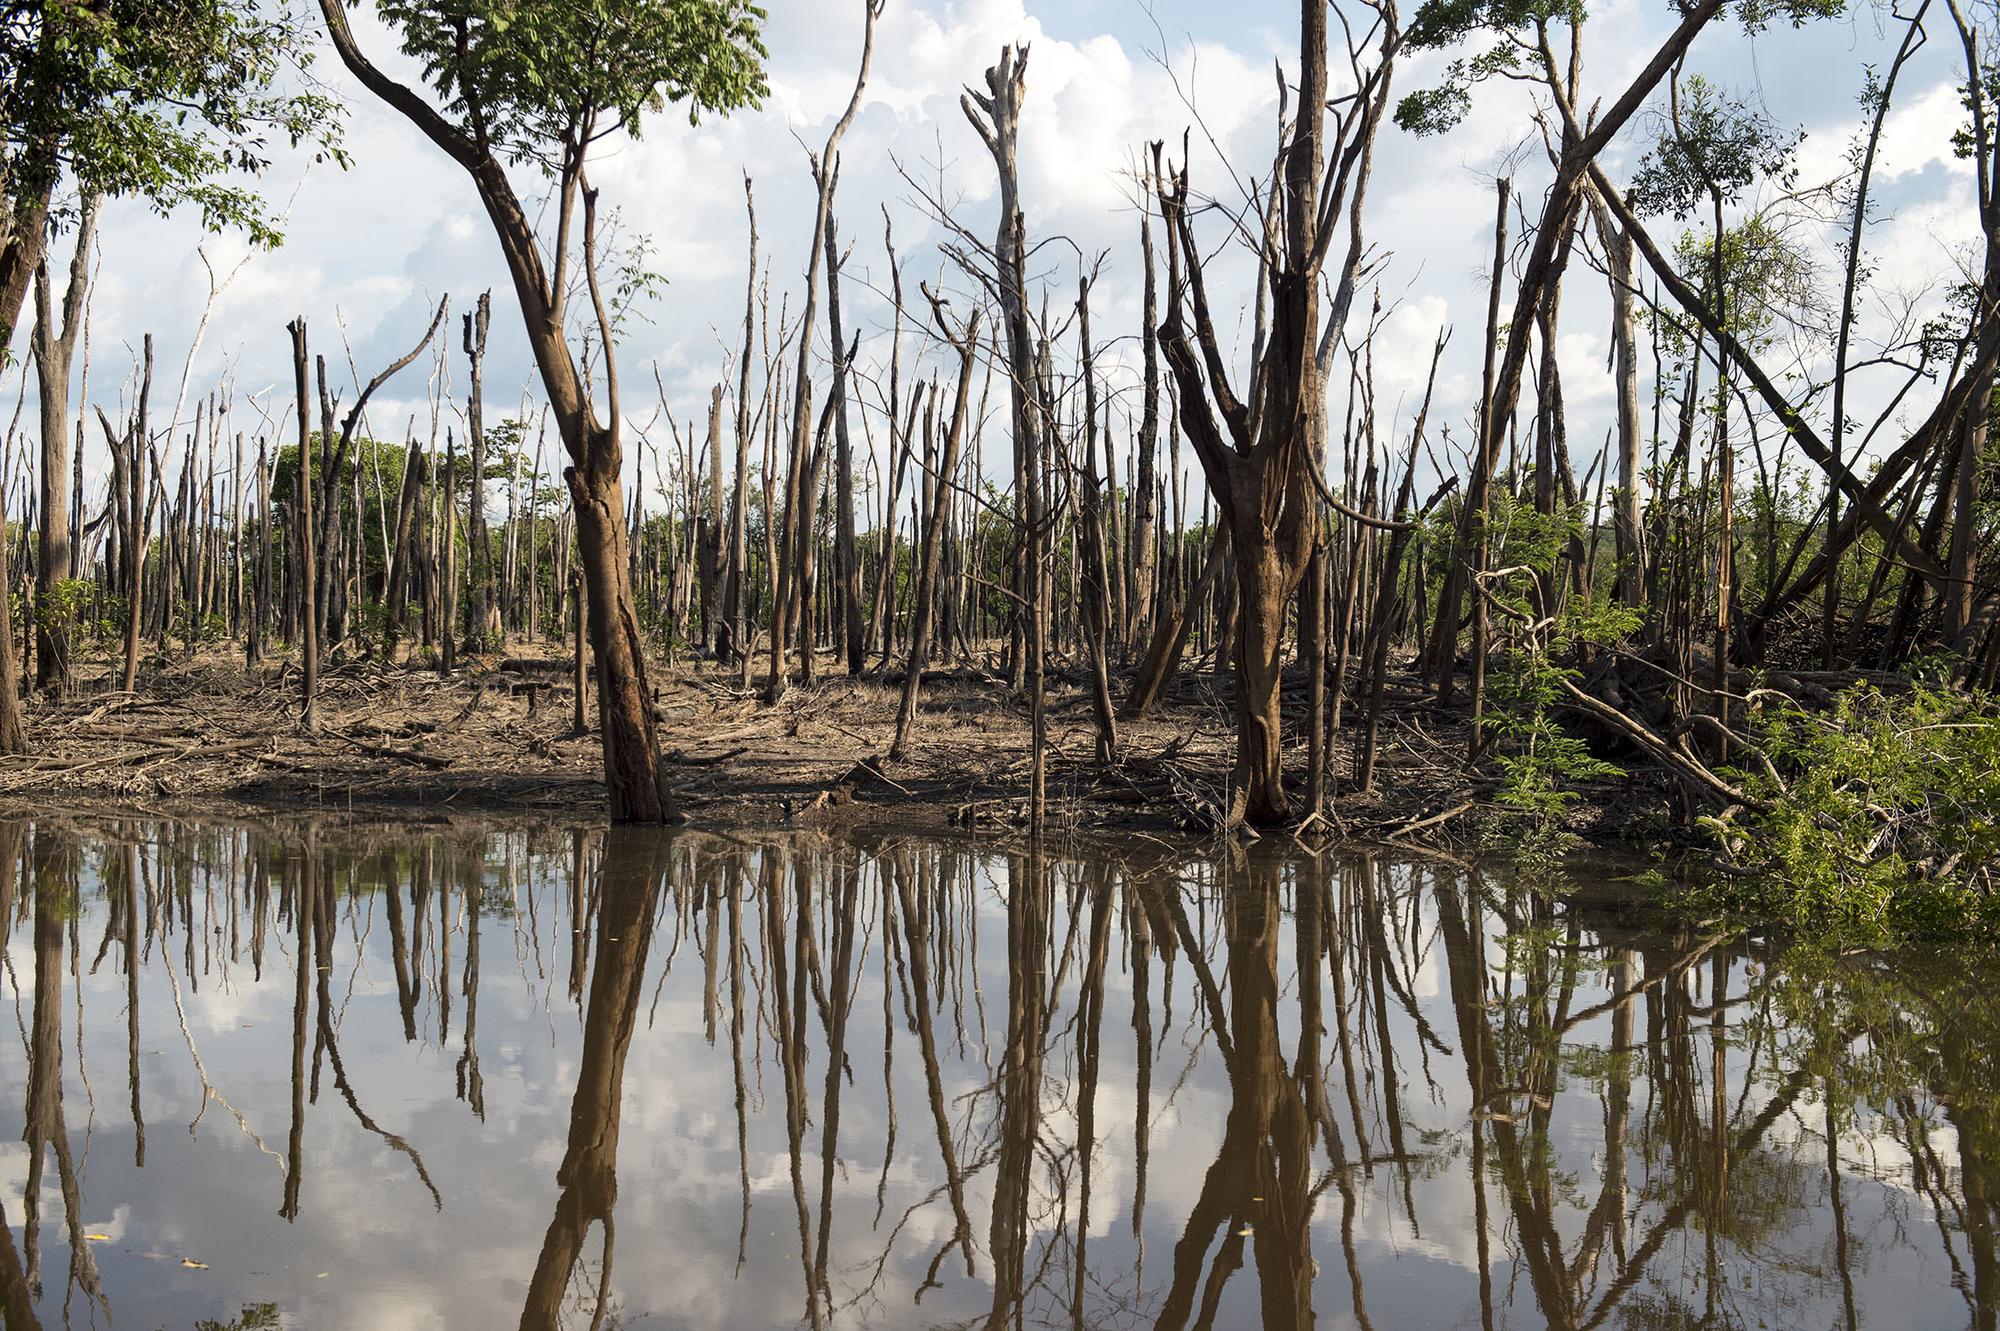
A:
(540, 83)
(1257, 451)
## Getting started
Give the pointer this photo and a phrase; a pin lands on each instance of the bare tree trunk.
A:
(940, 494)
(448, 561)
(1467, 557)
(481, 615)
(999, 129)
(308, 562)
(1627, 515)
(55, 344)
(579, 722)
(13, 733)
(1096, 576)
(843, 467)
(396, 592)
(1140, 597)
(708, 541)
(129, 455)
(789, 607)
(738, 597)
(1377, 645)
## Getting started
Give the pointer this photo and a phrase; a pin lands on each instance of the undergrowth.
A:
(1878, 817)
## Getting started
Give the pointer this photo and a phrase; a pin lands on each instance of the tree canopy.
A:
(533, 79)
(171, 101)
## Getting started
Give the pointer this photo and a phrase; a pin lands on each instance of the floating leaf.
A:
(192, 1265)
(98, 1238)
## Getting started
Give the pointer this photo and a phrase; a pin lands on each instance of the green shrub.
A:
(1880, 814)
(1539, 763)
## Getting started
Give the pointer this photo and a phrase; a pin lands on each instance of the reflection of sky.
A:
(369, 1250)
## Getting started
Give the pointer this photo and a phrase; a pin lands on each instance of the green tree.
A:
(539, 84)
(176, 102)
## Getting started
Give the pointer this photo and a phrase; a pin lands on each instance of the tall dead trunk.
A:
(55, 345)
(482, 615)
(849, 569)
(1444, 642)
(401, 550)
(967, 346)
(789, 608)
(308, 560)
(882, 621)
(1258, 455)
(737, 597)
(1140, 594)
(132, 501)
(708, 540)
(13, 733)
(996, 116)
(1096, 573)
(1627, 514)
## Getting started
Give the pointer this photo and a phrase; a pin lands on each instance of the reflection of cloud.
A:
(389, 1260)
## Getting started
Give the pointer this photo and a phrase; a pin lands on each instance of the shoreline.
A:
(207, 737)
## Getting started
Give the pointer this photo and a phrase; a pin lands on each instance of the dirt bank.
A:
(206, 735)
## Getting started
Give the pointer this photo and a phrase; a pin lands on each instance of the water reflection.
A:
(904, 1082)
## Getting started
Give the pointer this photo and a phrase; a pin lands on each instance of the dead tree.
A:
(308, 559)
(1140, 594)
(708, 541)
(1257, 452)
(133, 499)
(55, 344)
(13, 733)
(736, 595)
(788, 610)
(482, 614)
(396, 584)
(849, 568)
(967, 346)
(996, 115)
(1096, 591)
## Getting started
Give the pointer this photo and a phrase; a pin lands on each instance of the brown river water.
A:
(291, 1075)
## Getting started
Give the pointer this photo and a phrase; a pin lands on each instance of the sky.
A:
(369, 249)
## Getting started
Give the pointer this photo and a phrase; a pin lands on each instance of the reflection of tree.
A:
(1260, 1186)
(1029, 901)
(630, 870)
(130, 898)
(1718, 1173)
(17, 1303)
(53, 856)
(471, 1085)
(1648, 1117)
(314, 904)
(917, 913)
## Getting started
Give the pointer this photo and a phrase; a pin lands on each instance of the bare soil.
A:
(205, 735)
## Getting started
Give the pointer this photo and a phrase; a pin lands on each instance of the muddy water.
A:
(287, 1076)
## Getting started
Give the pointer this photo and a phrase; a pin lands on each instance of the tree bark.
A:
(927, 564)
(632, 778)
(308, 559)
(55, 344)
